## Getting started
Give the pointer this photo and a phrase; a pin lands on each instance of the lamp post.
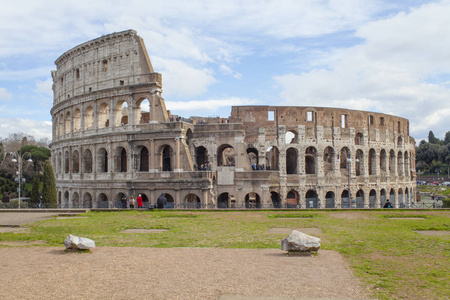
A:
(18, 157)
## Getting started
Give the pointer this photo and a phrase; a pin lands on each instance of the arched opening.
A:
(400, 164)
(75, 162)
(392, 197)
(58, 164)
(372, 199)
(67, 127)
(372, 162)
(66, 200)
(122, 113)
(276, 201)
(291, 137)
(345, 201)
(310, 160)
(399, 142)
(102, 201)
(223, 200)
(312, 199)
(189, 136)
(87, 161)
(89, 118)
(61, 125)
(359, 139)
(66, 162)
(170, 201)
(226, 155)
(75, 200)
(252, 200)
(360, 199)
(291, 161)
(120, 158)
(118, 201)
(144, 160)
(87, 200)
(383, 163)
(406, 163)
(359, 162)
(343, 156)
(328, 160)
(252, 154)
(382, 197)
(392, 162)
(102, 160)
(166, 158)
(330, 201)
(103, 116)
(400, 202)
(407, 199)
(272, 158)
(292, 199)
(201, 157)
(144, 112)
(77, 120)
(192, 201)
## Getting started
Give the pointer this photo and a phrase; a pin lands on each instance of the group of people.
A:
(258, 167)
(203, 167)
(131, 203)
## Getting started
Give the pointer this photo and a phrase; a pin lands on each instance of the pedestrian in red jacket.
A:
(139, 201)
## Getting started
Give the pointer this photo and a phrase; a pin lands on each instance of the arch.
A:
(226, 155)
(359, 162)
(407, 199)
(312, 199)
(77, 120)
(120, 158)
(102, 159)
(292, 199)
(329, 157)
(382, 197)
(192, 201)
(118, 200)
(87, 161)
(360, 201)
(75, 162)
(59, 164)
(252, 155)
(87, 200)
(121, 113)
(223, 200)
(291, 137)
(372, 162)
(345, 201)
(392, 197)
(343, 156)
(189, 136)
(67, 123)
(399, 142)
(392, 162)
(166, 153)
(272, 158)
(201, 157)
(310, 160)
(170, 201)
(330, 201)
(102, 201)
(383, 161)
(400, 202)
(75, 200)
(372, 198)
(400, 163)
(66, 200)
(406, 163)
(89, 118)
(143, 111)
(61, 125)
(359, 139)
(66, 162)
(252, 200)
(276, 201)
(103, 116)
(291, 161)
(144, 160)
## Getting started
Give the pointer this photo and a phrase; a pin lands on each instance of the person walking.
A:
(387, 204)
(124, 201)
(132, 202)
(139, 201)
(161, 201)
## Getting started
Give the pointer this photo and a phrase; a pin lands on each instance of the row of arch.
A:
(399, 198)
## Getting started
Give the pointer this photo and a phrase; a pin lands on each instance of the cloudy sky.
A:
(383, 56)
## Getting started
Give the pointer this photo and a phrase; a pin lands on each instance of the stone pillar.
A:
(205, 201)
(153, 155)
(177, 165)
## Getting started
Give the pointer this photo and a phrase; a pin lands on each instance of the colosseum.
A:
(113, 136)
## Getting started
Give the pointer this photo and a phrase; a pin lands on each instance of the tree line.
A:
(433, 157)
(39, 180)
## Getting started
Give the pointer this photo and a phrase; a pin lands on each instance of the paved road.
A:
(12, 219)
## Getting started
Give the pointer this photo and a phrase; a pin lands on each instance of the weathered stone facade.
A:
(112, 136)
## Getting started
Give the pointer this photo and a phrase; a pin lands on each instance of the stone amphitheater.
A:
(113, 136)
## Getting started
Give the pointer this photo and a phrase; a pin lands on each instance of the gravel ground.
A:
(19, 218)
(173, 273)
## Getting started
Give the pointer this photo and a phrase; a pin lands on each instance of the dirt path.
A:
(174, 273)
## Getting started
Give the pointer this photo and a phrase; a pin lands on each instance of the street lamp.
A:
(17, 157)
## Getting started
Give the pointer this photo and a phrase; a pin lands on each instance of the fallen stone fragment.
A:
(298, 242)
(78, 243)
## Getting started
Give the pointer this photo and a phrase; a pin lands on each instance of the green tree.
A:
(35, 194)
(431, 138)
(447, 138)
(49, 186)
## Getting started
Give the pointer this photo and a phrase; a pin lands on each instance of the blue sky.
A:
(369, 55)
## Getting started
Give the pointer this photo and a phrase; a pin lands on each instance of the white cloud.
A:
(37, 129)
(44, 87)
(207, 107)
(4, 94)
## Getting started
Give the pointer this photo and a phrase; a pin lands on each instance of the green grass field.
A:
(380, 246)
